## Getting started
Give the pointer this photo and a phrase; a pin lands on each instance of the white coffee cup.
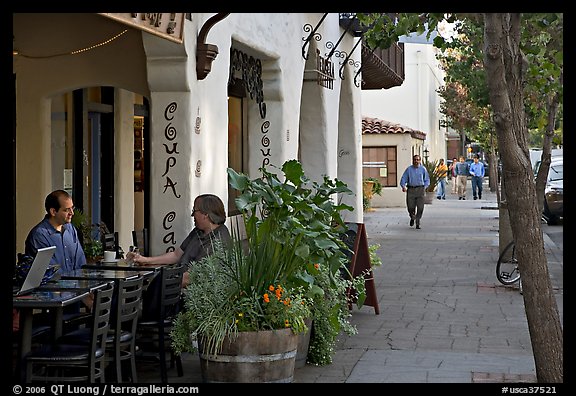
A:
(109, 256)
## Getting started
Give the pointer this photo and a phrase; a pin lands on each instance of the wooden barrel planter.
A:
(254, 356)
(303, 344)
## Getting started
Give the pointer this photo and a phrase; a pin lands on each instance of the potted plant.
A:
(291, 260)
(434, 173)
(370, 186)
(91, 244)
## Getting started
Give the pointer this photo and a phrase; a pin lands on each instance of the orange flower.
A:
(317, 266)
(271, 287)
(266, 297)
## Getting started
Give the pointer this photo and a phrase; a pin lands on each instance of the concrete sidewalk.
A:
(444, 317)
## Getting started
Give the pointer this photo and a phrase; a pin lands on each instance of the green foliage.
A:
(433, 172)
(89, 233)
(466, 103)
(222, 301)
(377, 188)
(331, 314)
(303, 217)
(367, 196)
(375, 260)
(293, 250)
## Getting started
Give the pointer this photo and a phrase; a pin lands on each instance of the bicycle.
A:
(507, 270)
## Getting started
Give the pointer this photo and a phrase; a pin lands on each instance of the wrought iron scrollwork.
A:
(251, 69)
(313, 35)
(329, 44)
(349, 61)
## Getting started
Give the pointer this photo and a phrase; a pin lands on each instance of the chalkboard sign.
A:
(355, 238)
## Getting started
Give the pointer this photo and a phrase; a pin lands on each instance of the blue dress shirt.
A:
(415, 176)
(477, 169)
(69, 253)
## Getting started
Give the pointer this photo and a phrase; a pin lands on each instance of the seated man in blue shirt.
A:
(57, 230)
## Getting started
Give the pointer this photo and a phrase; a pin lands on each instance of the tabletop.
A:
(102, 274)
(43, 299)
(122, 265)
(71, 284)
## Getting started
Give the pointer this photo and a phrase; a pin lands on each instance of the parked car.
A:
(554, 192)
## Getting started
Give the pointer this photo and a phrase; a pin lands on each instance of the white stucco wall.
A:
(302, 119)
(415, 103)
(185, 163)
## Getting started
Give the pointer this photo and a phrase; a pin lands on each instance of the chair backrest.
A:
(171, 286)
(128, 304)
(101, 310)
(140, 239)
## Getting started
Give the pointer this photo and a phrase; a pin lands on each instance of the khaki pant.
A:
(461, 184)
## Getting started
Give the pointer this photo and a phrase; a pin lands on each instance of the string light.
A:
(75, 52)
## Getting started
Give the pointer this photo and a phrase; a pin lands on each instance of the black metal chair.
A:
(154, 329)
(110, 242)
(62, 362)
(121, 340)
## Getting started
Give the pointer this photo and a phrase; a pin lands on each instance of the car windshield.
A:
(556, 172)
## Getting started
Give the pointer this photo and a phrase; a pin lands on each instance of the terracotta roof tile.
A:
(375, 125)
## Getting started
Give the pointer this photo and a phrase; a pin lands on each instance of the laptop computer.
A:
(36, 271)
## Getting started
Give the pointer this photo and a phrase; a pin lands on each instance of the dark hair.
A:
(213, 206)
(53, 200)
(477, 156)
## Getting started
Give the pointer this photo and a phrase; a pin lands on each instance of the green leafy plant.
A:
(375, 260)
(89, 234)
(222, 301)
(294, 234)
(433, 172)
(371, 186)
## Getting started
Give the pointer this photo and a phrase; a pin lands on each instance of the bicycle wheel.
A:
(507, 267)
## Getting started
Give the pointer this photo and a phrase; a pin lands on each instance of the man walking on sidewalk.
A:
(477, 172)
(415, 179)
(462, 172)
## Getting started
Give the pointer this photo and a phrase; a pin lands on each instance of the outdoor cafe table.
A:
(147, 271)
(122, 265)
(53, 300)
(102, 274)
(71, 284)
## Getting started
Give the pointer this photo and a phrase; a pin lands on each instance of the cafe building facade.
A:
(137, 114)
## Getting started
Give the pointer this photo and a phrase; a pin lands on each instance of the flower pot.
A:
(429, 197)
(303, 344)
(253, 356)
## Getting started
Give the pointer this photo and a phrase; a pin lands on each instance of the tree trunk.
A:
(504, 71)
(546, 158)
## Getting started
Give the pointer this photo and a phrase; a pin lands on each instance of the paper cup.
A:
(109, 256)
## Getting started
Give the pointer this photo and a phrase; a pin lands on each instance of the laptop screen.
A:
(37, 269)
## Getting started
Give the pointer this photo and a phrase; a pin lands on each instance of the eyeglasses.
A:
(194, 211)
(69, 210)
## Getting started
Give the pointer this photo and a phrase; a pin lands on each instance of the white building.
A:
(415, 106)
(136, 114)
